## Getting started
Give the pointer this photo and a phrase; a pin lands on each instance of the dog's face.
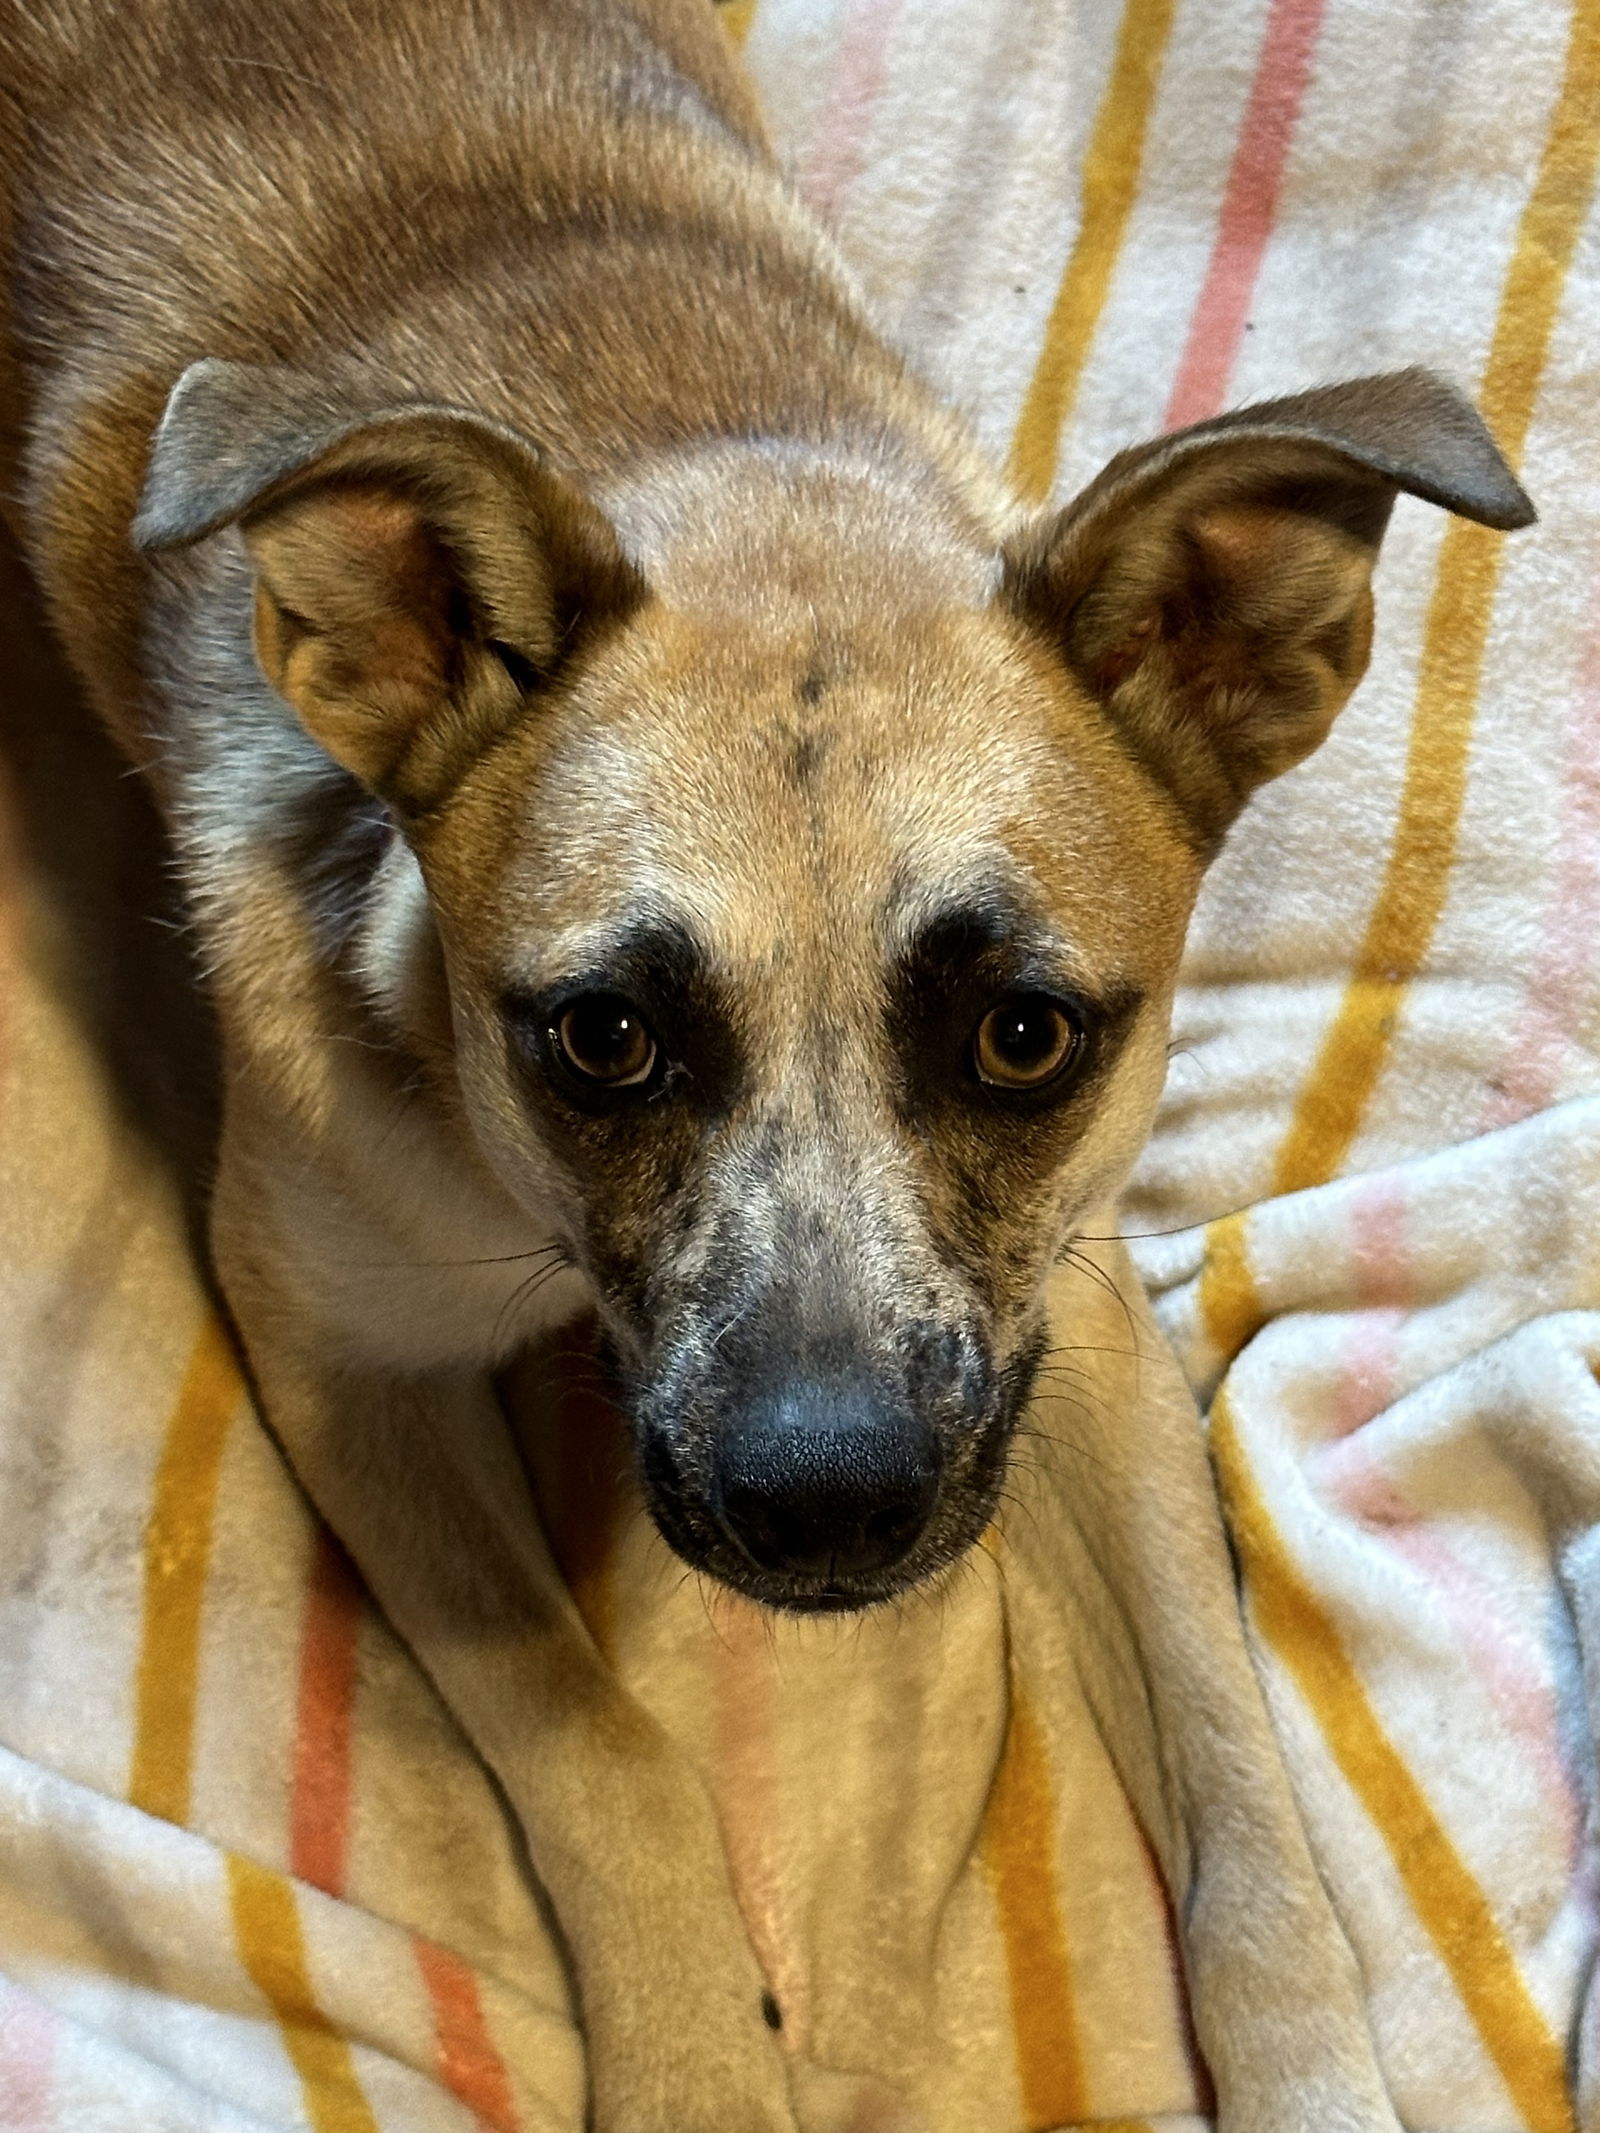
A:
(811, 920)
(825, 983)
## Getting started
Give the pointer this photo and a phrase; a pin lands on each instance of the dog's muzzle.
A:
(824, 1481)
(822, 1471)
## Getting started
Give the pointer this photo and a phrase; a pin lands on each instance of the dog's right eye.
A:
(604, 1039)
(1025, 1042)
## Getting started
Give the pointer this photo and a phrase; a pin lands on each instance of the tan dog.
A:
(664, 832)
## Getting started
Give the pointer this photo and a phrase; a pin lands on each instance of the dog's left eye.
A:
(1024, 1042)
(604, 1039)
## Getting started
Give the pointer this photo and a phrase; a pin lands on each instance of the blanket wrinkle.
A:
(251, 1875)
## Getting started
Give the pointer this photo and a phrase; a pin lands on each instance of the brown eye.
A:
(1024, 1042)
(605, 1039)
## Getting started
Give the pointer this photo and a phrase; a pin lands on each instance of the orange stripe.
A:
(1416, 883)
(1110, 184)
(266, 1925)
(469, 2066)
(177, 1554)
(1019, 1849)
(737, 16)
(1230, 1309)
(319, 1799)
(319, 1824)
(1446, 1898)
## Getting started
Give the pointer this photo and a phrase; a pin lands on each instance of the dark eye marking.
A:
(645, 1018)
(962, 933)
(524, 674)
(987, 1013)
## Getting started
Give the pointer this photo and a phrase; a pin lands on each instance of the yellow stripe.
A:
(1019, 1847)
(737, 16)
(177, 1552)
(1110, 183)
(1443, 1892)
(1416, 883)
(1230, 1309)
(266, 1925)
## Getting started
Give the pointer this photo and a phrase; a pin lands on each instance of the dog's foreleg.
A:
(1277, 1997)
(419, 1478)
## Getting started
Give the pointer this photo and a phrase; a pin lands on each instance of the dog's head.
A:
(811, 866)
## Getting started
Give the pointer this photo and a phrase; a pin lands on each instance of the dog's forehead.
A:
(824, 790)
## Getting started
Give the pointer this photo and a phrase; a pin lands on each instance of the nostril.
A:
(768, 1532)
(888, 1527)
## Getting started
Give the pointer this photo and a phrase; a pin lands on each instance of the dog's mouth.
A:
(808, 1514)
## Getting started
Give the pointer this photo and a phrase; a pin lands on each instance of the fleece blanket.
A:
(250, 1875)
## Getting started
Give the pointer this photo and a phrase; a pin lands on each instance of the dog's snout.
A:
(826, 1480)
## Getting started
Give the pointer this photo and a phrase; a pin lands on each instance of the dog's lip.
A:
(796, 1599)
(828, 1600)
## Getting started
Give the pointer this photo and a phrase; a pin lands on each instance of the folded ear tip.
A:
(1516, 512)
(1488, 492)
(1481, 485)
(177, 504)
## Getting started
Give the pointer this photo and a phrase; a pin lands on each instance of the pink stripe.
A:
(1366, 1379)
(1380, 1274)
(28, 2031)
(1380, 1263)
(749, 1801)
(1513, 1672)
(1248, 208)
(838, 150)
(1559, 991)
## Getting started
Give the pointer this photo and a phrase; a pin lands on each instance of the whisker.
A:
(429, 1266)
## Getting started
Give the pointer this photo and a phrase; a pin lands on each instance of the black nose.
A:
(826, 1480)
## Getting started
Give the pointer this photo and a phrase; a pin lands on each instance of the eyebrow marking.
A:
(650, 953)
(988, 927)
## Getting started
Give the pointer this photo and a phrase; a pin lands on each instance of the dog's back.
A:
(562, 215)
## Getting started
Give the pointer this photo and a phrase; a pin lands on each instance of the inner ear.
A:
(405, 610)
(363, 620)
(1224, 627)
(419, 569)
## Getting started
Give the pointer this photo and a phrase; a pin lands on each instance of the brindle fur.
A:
(545, 576)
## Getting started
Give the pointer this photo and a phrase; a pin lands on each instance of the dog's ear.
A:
(419, 569)
(1213, 589)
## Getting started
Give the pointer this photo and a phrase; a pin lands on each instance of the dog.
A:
(668, 834)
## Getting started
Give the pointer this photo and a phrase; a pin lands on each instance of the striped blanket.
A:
(251, 1877)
